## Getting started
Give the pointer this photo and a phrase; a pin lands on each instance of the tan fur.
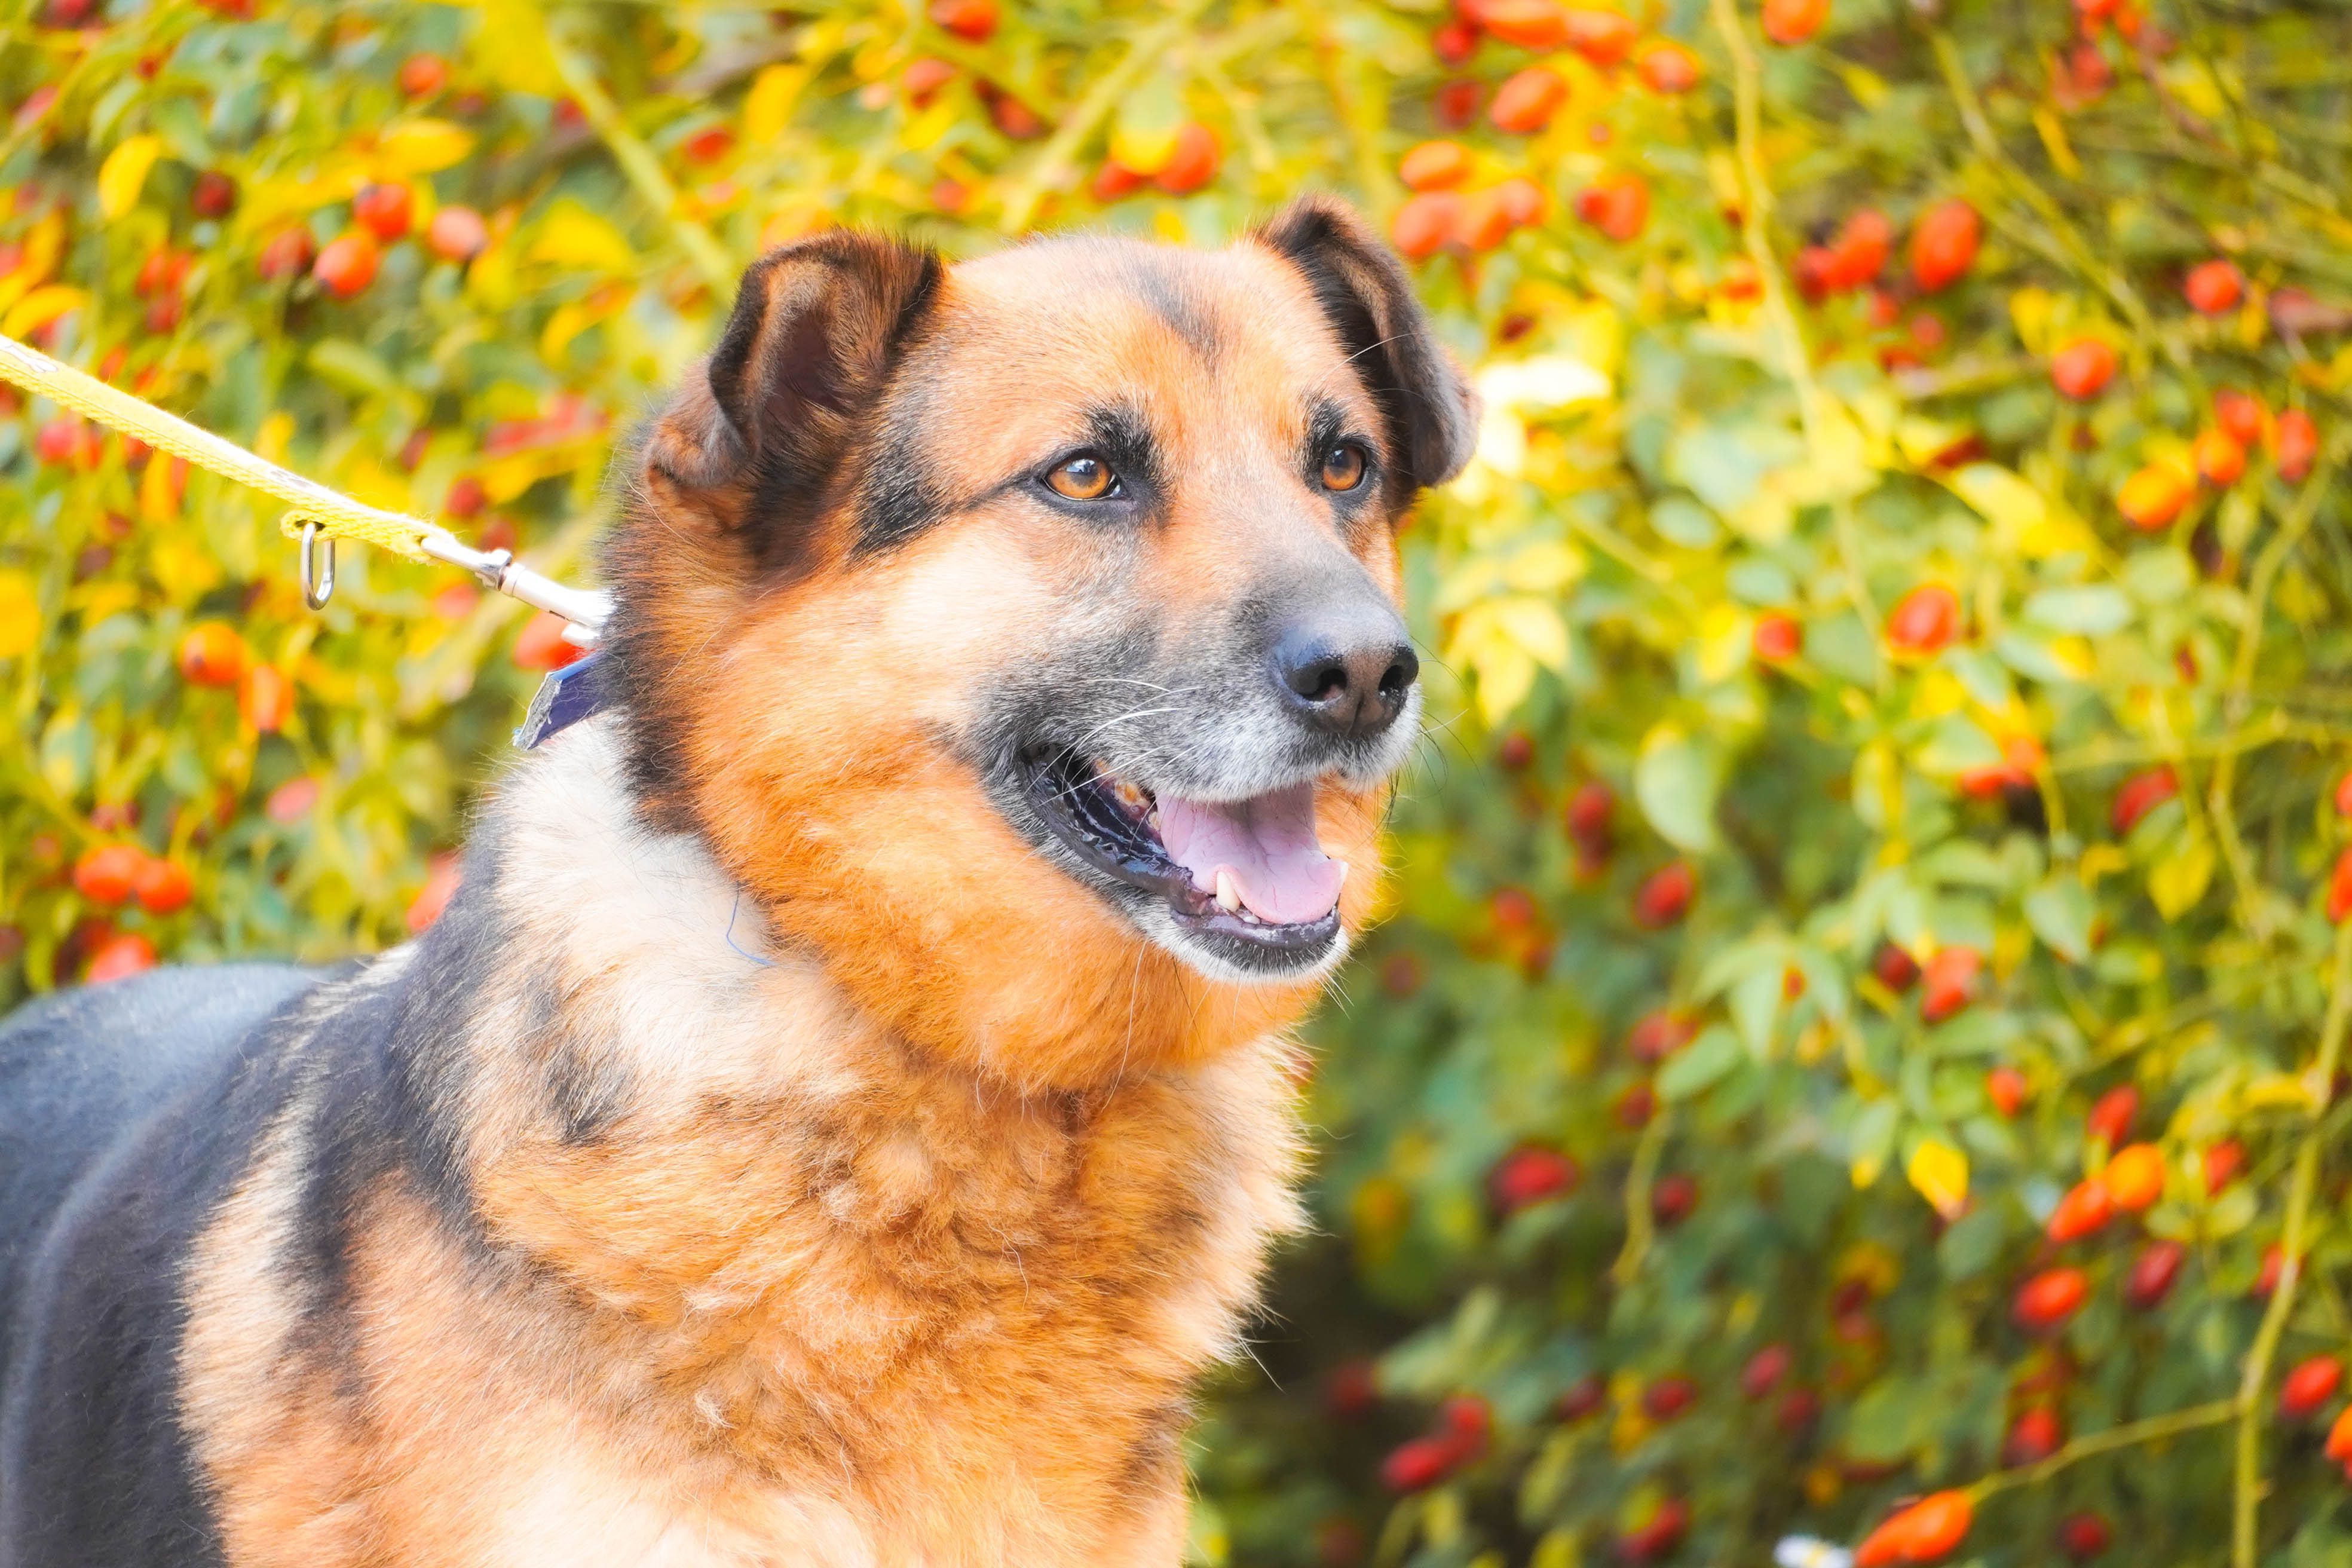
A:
(928, 1185)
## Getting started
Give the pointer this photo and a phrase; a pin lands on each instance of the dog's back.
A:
(87, 1080)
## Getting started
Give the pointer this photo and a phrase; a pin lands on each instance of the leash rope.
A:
(314, 511)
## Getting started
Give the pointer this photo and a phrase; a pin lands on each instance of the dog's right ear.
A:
(756, 438)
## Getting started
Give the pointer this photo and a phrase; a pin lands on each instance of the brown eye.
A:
(1343, 467)
(1083, 478)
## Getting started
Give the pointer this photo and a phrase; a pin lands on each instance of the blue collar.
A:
(565, 697)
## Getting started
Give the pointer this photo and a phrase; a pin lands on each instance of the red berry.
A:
(291, 802)
(2081, 369)
(441, 876)
(1778, 637)
(214, 194)
(1636, 1106)
(2222, 1162)
(288, 252)
(2241, 414)
(2273, 1268)
(1669, 67)
(1798, 1409)
(1669, 1397)
(423, 75)
(1424, 223)
(1657, 1535)
(265, 699)
(1194, 163)
(2005, 1087)
(384, 210)
(1666, 896)
(1791, 22)
(2139, 795)
(119, 957)
(465, 498)
(1353, 1391)
(1944, 245)
(457, 234)
(1896, 969)
(2153, 1273)
(1530, 1175)
(2085, 1208)
(1602, 38)
(1468, 1420)
(2083, 1536)
(972, 20)
(1525, 102)
(1656, 1036)
(1673, 1198)
(2297, 445)
(1924, 620)
(923, 78)
(1583, 1398)
(212, 654)
(2034, 1437)
(107, 875)
(347, 265)
(1592, 805)
(1455, 43)
(1765, 1370)
(1948, 983)
(1617, 205)
(2049, 1299)
(2311, 1383)
(1418, 1464)
(2339, 1439)
(2112, 1116)
(1924, 1532)
(1435, 167)
(2221, 457)
(541, 644)
(709, 144)
(2213, 287)
(165, 887)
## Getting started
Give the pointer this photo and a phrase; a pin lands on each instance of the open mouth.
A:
(1247, 874)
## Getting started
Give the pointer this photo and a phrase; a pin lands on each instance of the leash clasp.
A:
(317, 586)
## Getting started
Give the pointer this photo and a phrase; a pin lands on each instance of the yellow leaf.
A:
(768, 105)
(1726, 633)
(572, 235)
(2180, 880)
(124, 173)
(183, 567)
(2030, 311)
(421, 147)
(511, 46)
(39, 308)
(159, 498)
(1940, 1172)
(20, 614)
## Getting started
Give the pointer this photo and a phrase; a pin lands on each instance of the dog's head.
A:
(1025, 633)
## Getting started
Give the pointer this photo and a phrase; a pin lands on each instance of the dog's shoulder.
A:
(123, 1111)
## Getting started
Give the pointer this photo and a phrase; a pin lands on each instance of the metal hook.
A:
(317, 587)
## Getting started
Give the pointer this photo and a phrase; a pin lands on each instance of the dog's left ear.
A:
(1431, 410)
(755, 442)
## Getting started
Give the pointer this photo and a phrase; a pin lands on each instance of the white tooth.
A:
(1229, 892)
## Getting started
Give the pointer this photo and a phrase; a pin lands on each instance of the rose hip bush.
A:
(1855, 1053)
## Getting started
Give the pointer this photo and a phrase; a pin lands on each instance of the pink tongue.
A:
(1266, 842)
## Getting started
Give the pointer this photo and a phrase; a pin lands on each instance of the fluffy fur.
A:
(787, 1150)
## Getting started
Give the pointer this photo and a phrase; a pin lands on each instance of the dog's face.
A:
(1044, 607)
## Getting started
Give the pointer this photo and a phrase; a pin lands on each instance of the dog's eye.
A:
(1084, 478)
(1343, 467)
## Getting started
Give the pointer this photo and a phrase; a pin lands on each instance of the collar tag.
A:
(564, 698)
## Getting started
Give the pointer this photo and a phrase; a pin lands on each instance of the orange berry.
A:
(2241, 414)
(108, 874)
(1669, 67)
(2151, 499)
(1480, 222)
(2112, 1116)
(457, 234)
(165, 887)
(1525, 102)
(2139, 795)
(1435, 167)
(2297, 445)
(384, 210)
(1925, 1531)
(119, 958)
(1778, 638)
(1924, 620)
(1664, 896)
(1791, 22)
(1948, 983)
(2050, 1298)
(1944, 245)
(1603, 37)
(1617, 205)
(972, 20)
(212, 654)
(2087, 1207)
(1540, 25)
(541, 644)
(422, 76)
(2213, 287)
(1194, 163)
(265, 698)
(2082, 368)
(2339, 888)
(1523, 201)
(2006, 1088)
(2311, 1383)
(347, 265)
(1424, 223)
(2135, 1177)
(2221, 457)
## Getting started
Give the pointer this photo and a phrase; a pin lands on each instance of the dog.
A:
(849, 1101)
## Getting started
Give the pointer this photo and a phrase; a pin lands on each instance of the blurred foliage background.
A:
(1863, 1008)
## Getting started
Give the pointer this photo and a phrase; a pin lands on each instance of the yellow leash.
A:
(315, 512)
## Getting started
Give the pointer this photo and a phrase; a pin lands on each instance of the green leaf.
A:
(2060, 912)
(1699, 1065)
(2090, 611)
(1676, 781)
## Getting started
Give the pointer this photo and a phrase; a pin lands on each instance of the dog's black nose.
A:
(1346, 671)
